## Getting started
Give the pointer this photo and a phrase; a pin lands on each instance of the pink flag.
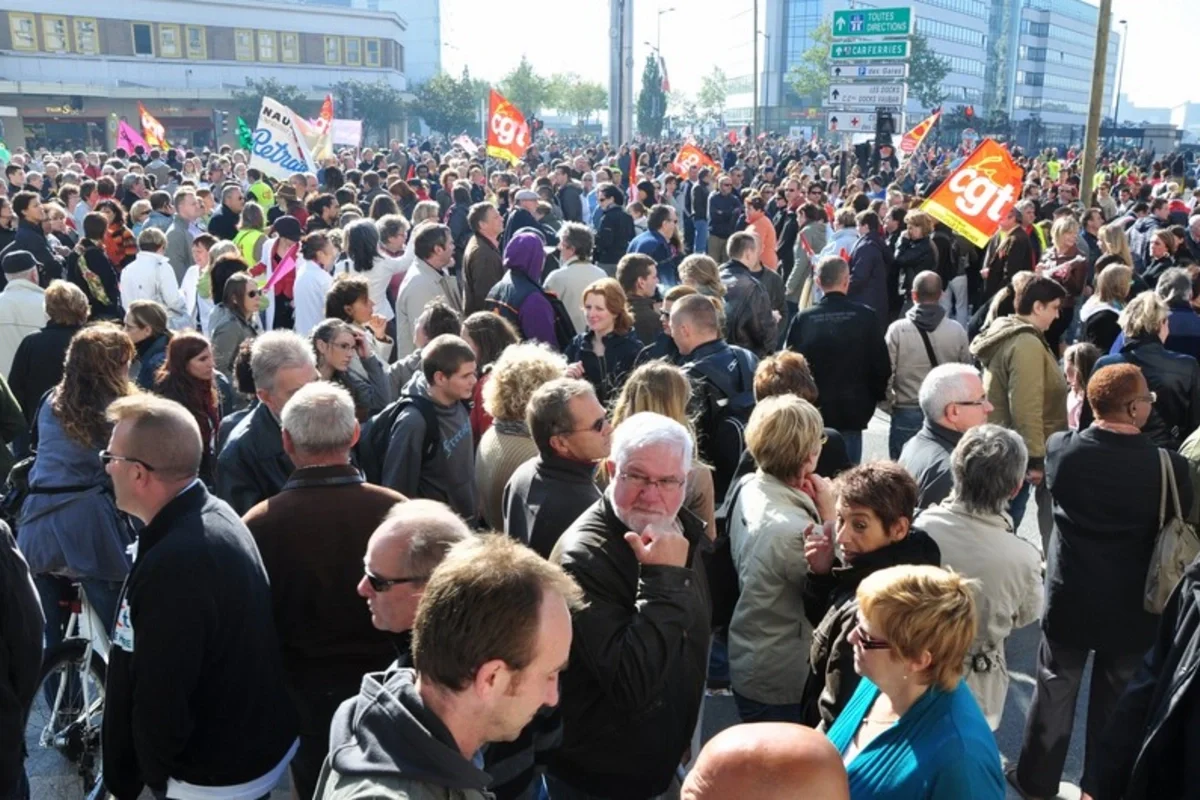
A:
(287, 266)
(128, 138)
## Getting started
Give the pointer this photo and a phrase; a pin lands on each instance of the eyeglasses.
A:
(868, 642)
(379, 584)
(641, 482)
(107, 458)
(979, 402)
(1149, 398)
(595, 427)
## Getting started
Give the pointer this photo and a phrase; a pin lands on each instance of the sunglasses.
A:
(379, 584)
(595, 427)
(107, 458)
(253, 293)
(868, 642)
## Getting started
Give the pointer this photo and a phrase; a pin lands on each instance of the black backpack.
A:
(564, 328)
(726, 397)
(372, 446)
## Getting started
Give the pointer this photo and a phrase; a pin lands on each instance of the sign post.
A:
(867, 22)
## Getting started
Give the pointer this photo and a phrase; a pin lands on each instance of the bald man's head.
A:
(767, 761)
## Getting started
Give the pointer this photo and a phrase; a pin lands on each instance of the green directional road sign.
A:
(865, 51)
(872, 22)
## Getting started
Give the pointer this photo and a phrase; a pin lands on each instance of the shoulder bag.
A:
(1174, 549)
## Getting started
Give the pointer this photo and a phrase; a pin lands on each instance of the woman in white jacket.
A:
(150, 277)
(364, 259)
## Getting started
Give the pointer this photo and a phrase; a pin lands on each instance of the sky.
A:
(572, 36)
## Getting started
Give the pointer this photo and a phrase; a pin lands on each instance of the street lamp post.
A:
(1124, 23)
(766, 69)
(658, 32)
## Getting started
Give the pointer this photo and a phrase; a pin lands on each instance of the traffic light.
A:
(969, 111)
(224, 122)
(885, 127)
(220, 120)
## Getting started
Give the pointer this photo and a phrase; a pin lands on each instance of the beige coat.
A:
(1009, 569)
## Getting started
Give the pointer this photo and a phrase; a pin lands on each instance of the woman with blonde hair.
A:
(915, 251)
(1064, 262)
(146, 324)
(69, 527)
(605, 353)
(769, 636)
(912, 728)
(664, 389)
(1099, 313)
(1114, 242)
(507, 444)
(702, 274)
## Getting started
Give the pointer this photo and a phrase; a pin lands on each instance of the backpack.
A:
(723, 586)
(564, 328)
(726, 397)
(372, 446)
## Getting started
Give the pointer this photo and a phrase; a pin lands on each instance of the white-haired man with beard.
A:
(632, 692)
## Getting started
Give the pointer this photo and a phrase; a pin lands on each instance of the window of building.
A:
(197, 41)
(399, 56)
(353, 51)
(372, 52)
(268, 46)
(333, 50)
(935, 29)
(1040, 29)
(289, 47)
(169, 45)
(87, 36)
(54, 34)
(143, 39)
(243, 44)
(22, 28)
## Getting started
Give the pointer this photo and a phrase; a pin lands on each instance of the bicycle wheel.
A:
(62, 735)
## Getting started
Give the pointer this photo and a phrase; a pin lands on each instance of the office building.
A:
(67, 78)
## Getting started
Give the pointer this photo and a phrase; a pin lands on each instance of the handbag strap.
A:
(928, 347)
(1169, 472)
(1167, 479)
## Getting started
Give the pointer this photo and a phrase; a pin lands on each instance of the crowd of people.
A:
(425, 475)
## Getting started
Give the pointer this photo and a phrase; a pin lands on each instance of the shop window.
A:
(22, 28)
(87, 36)
(143, 39)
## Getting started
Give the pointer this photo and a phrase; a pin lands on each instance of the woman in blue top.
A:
(912, 729)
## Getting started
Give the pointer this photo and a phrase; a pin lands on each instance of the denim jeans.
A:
(700, 240)
(754, 711)
(906, 423)
(853, 440)
(718, 658)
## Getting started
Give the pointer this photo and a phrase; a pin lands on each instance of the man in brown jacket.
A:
(312, 536)
(482, 263)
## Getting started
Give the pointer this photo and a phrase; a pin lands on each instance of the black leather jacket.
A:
(1174, 378)
(252, 466)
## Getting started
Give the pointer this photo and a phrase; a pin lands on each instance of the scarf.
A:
(94, 284)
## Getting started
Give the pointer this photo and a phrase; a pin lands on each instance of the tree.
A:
(714, 88)
(652, 100)
(377, 104)
(525, 89)
(810, 77)
(926, 73)
(682, 109)
(249, 100)
(447, 105)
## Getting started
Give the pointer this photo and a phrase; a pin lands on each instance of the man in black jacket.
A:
(570, 194)
(750, 321)
(843, 342)
(253, 466)
(616, 229)
(27, 207)
(631, 695)
(202, 707)
(20, 662)
(224, 223)
(548, 493)
(724, 207)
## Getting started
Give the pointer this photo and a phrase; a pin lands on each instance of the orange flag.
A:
(691, 156)
(632, 169)
(152, 130)
(508, 133)
(912, 140)
(978, 194)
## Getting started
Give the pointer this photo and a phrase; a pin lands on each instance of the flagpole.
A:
(483, 127)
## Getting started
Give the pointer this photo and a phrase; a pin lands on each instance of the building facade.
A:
(1029, 59)
(70, 76)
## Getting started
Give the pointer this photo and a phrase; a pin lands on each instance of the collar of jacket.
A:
(325, 475)
(429, 269)
(707, 349)
(735, 266)
(187, 502)
(483, 241)
(955, 506)
(1146, 342)
(24, 224)
(917, 547)
(946, 437)
(566, 469)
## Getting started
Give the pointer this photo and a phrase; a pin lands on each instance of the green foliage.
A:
(249, 100)
(448, 105)
(525, 89)
(377, 104)
(714, 88)
(926, 73)
(570, 94)
(810, 78)
(652, 100)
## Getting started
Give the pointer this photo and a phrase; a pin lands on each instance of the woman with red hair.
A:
(604, 354)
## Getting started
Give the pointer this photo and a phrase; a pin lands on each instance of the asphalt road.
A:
(47, 777)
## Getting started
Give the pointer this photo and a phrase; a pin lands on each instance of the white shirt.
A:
(150, 276)
(308, 295)
(378, 278)
(22, 312)
(250, 790)
(568, 283)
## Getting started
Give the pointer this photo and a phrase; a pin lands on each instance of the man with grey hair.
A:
(253, 464)
(325, 634)
(575, 243)
(1183, 323)
(548, 493)
(844, 345)
(953, 401)
(973, 530)
(917, 342)
(640, 647)
(224, 223)
(195, 703)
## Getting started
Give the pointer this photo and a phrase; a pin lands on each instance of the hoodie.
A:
(1023, 382)
(909, 357)
(450, 476)
(385, 743)
(519, 291)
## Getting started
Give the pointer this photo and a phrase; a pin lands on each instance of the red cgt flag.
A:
(508, 133)
(691, 156)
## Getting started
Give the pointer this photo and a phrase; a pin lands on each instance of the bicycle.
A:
(62, 734)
